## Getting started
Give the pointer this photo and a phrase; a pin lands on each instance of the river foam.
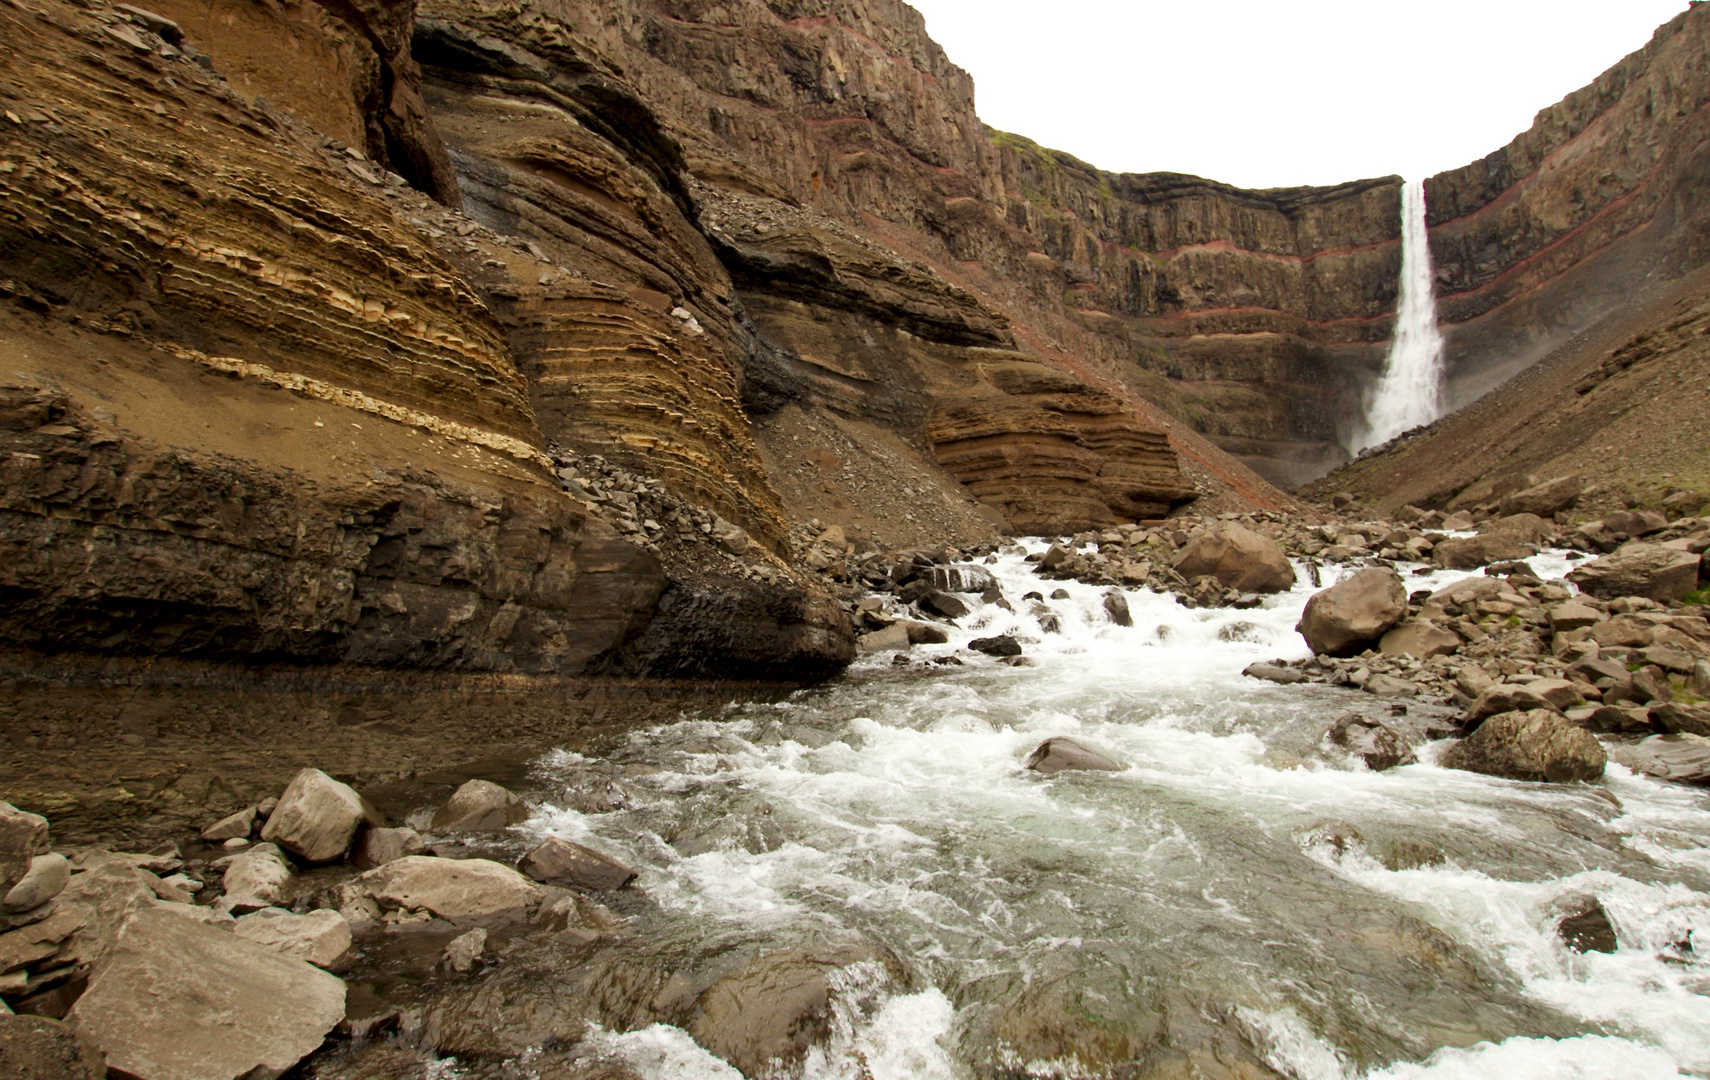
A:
(1231, 860)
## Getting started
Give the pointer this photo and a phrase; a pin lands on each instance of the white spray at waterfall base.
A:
(1410, 391)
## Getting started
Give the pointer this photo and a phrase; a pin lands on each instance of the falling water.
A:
(1410, 392)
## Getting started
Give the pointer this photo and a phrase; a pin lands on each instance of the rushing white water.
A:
(1410, 391)
(1235, 877)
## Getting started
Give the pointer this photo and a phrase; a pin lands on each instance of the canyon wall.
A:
(1586, 214)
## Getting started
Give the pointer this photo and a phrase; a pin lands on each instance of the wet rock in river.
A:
(1372, 742)
(1685, 758)
(1354, 613)
(480, 806)
(1058, 754)
(1533, 745)
(178, 999)
(893, 637)
(1276, 673)
(920, 633)
(317, 817)
(37, 1048)
(1002, 645)
(1588, 931)
(776, 1008)
(944, 605)
(561, 862)
(1116, 608)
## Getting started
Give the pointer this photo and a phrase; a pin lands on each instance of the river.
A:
(1236, 885)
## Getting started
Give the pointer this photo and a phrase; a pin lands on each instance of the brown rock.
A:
(1573, 615)
(480, 806)
(1504, 698)
(460, 890)
(1058, 754)
(47, 876)
(321, 938)
(235, 826)
(1617, 720)
(1684, 758)
(37, 1048)
(23, 836)
(1420, 638)
(1672, 719)
(178, 999)
(1560, 694)
(1533, 745)
(1636, 569)
(1546, 498)
(257, 878)
(561, 862)
(317, 817)
(1237, 557)
(377, 847)
(1354, 613)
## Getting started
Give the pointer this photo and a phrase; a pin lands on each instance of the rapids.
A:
(1236, 885)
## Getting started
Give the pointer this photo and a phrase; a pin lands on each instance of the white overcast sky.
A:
(1272, 94)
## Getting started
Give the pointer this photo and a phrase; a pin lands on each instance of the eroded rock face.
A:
(1533, 745)
(177, 999)
(1354, 613)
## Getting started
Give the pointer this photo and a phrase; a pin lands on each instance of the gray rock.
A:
(480, 806)
(1534, 745)
(37, 1048)
(240, 824)
(462, 951)
(258, 878)
(1589, 930)
(1116, 608)
(1058, 754)
(1614, 719)
(320, 937)
(561, 862)
(377, 847)
(1354, 613)
(178, 999)
(1274, 673)
(317, 817)
(943, 605)
(1002, 645)
(1637, 569)
(1377, 745)
(23, 836)
(1238, 558)
(1684, 758)
(454, 889)
(47, 876)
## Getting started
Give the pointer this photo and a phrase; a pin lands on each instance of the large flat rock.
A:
(179, 999)
(455, 889)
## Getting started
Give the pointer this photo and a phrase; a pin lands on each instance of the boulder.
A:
(1613, 719)
(37, 1048)
(320, 937)
(1546, 498)
(1002, 645)
(377, 847)
(1669, 718)
(1057, 754)
(47, 876)
(1237, 557)
(317, 817)
(454, 889)
(1636, 569)
(1622, 631)
(480, 806)
(1503, 698)
(1372, 742)
(233, 827)
(943, 605)
(1419, 637)
(1354, 613)
(258, 878)
(178, 999)
(1573, 615)
(1533, 745)
(561, 862)
(1634, 522)
(102, 898)
(1488, 546)
(1274, 673)
(766, 1016)
(1116, 608)
(891, 638)
(1390, 686)
(1560, 694)
(1684, 758)
(23, 836)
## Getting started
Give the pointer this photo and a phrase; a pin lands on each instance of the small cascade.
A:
(1410, 392)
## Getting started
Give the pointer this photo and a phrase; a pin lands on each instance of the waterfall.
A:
(1410, 392)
